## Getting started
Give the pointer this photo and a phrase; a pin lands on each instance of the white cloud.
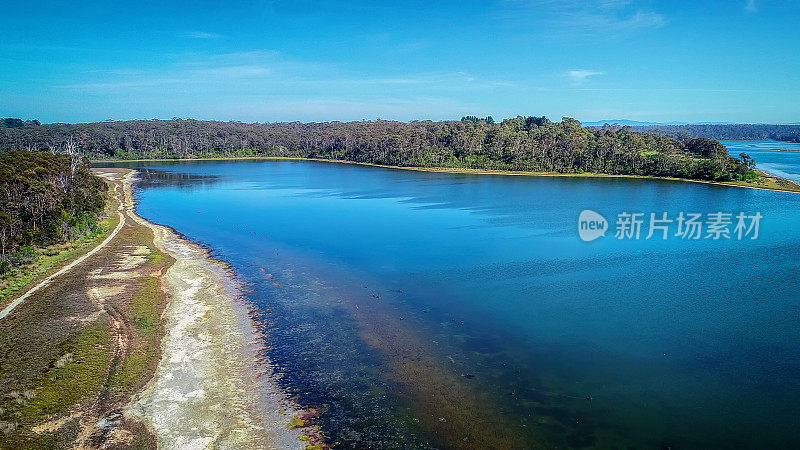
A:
(338, 108)
(194, 70)
(751, 6)
(614, 23)
(614, 3)
(269, 71)
(579, 76)
(202, 35)
(234, 72)
(582, 19)
(642, 20)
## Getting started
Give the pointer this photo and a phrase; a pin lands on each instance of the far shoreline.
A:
(778, 182)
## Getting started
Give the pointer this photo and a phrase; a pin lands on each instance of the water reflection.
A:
(154, 178)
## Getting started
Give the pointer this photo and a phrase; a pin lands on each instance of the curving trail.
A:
(8, 309)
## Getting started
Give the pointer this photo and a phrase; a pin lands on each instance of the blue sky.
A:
(734, 60)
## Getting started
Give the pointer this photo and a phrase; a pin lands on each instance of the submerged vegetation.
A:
(520, 144)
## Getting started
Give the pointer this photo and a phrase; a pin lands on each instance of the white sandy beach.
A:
(207, 391)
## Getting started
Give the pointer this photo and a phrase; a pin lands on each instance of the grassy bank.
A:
(51, 258)
(77, 350)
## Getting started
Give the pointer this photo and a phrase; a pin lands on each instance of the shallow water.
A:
(776, 157)
(689, 344)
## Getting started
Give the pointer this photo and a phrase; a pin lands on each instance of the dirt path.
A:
(8, 309)
(144, 341)
(82, 342)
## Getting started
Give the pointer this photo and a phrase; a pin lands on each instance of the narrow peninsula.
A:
(531, 145)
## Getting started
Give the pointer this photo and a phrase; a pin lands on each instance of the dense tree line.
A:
(44, 199)
(728, 131)
(10, 122)
(521, 143)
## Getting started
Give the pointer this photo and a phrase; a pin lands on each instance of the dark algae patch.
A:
(334, 374)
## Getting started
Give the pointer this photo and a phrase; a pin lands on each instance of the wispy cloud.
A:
(410, 47)
(192, 70)
(614, 3)
(234, 72)
(751, 6)
(202, 35)
(344, 108)
(122, 72)
(580, 19)
(443, 78)
(269, 71)
(579, 76)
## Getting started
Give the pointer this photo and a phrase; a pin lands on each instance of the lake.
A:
(776, 157)
(423, 309)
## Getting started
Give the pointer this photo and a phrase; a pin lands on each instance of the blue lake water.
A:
(776, 157)
(509, 331)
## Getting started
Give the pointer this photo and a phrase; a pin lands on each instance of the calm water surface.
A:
(507, 321)
(776, 157)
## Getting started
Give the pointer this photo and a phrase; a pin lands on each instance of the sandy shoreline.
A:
(208, 391)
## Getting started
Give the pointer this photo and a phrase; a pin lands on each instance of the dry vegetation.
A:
(75, 351)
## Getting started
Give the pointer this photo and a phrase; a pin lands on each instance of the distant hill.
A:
(643, 123)
(737, 132)
(627, 123)
(711, 130)
(639, 123)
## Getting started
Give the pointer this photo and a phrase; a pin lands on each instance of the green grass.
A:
(143, 310)
(768, 182)
(53, 257)
(46, 385)
(145, 307)
(57, 390)
(62, 387)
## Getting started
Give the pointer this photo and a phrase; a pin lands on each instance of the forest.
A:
(517, 144)
(44, 199)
